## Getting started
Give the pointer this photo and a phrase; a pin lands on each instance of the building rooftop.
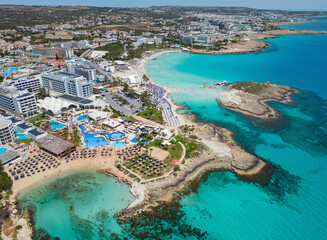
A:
(65, 74)
(4, 123)
(8, 156)
(54, 145)
(76, 99)
(14, 120)
(35, 132)
(11, 90)
(5, 114)
(83, 67)
(24, 126)
(25, 95)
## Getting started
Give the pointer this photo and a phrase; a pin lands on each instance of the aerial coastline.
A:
(126, 125)
(223, 156)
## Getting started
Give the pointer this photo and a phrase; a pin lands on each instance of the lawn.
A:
(152, 114)
(38, 118)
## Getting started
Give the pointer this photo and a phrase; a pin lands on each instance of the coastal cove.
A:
(80, 204)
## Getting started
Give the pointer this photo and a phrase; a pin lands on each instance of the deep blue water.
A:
(293, 204)
(318, 24)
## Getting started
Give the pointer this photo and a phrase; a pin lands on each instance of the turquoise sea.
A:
(292, 205)
(318, 24)
(78, 205)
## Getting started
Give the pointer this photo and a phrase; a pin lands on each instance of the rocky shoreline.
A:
(250, 98)
(235, 160)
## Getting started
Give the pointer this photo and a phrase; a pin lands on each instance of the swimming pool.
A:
(9, 71)
(135, 140)
(84, 118)
(90, 140)
(118, 144)
(116, 136)
(3, 150)
(20, 135)
(56, 125)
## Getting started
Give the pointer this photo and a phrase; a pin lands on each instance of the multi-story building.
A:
(188, 39)
(31, 83)
(88, 73)
(69, 83)
(7, 132)
(74, 44)
(70, 63)
(147, 41)
(17, 100)
(45, 51)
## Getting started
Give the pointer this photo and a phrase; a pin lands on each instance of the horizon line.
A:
(262, 9)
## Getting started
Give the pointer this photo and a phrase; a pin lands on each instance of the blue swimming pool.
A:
(118, 144)
(90, 140)
(135, 140)
(20, 135)
(3, 150)
(8, 71)
(116, 136)
(84, 118)
(56, 125)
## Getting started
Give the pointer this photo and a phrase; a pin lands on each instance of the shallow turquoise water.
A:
(56, 125)
(79, 205)
(293, 204)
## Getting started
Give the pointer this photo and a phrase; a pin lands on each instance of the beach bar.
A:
(55, 145)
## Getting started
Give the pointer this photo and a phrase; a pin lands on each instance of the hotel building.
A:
(7, 132)
(33, 83)
(17, 100)
(68, 83)
(88, 73)
(45, 51)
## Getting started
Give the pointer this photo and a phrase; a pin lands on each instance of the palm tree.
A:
(151, 151)
(103, 140)
(87, 143)
(98, 142)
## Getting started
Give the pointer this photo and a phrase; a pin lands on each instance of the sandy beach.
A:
(98, 162)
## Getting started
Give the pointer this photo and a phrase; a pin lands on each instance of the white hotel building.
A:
(7, 132)
(17, 100)
(68, 83)
(88, 73)
(32, 82)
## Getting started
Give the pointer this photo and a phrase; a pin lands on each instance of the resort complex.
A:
(161, 123)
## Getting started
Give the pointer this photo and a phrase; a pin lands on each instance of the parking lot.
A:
(132, 106)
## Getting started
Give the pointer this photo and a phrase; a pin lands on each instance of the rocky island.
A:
(250, 98)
